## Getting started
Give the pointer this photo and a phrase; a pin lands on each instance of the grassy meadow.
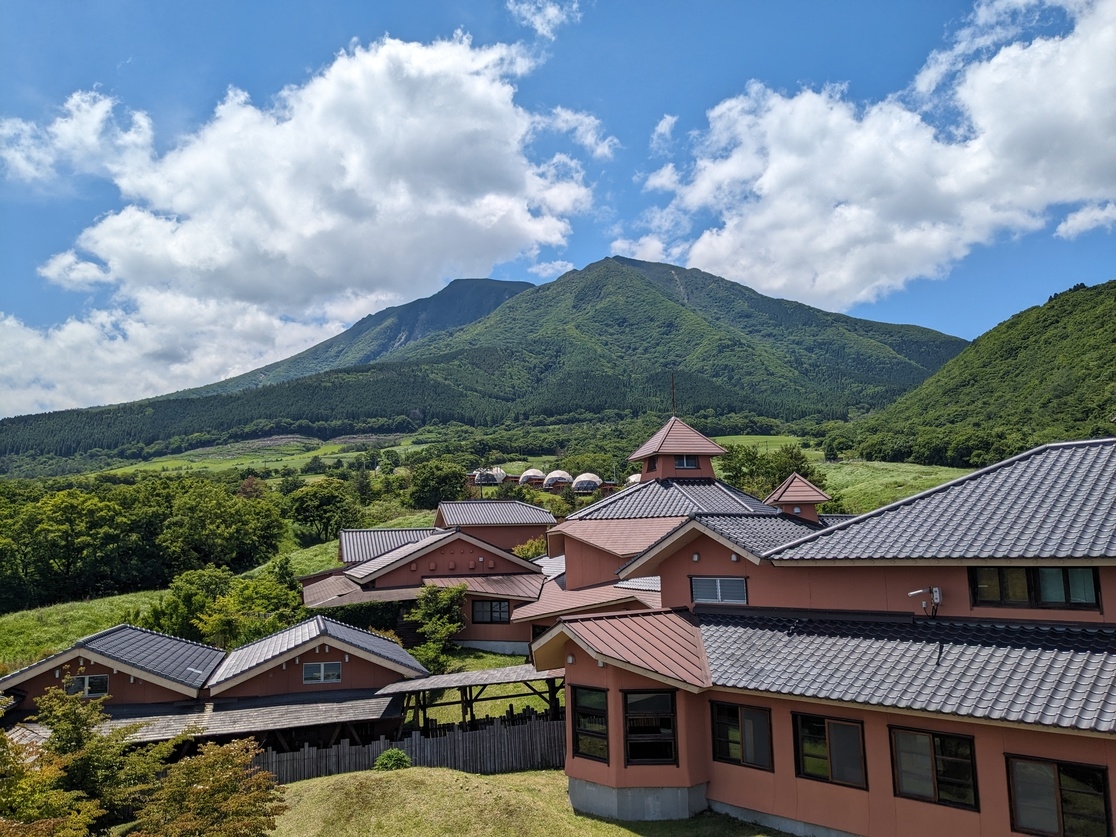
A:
(30, 635)
(429, 802)
(864, 486)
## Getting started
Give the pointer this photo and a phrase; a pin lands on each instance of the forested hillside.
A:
(1046, 374)
(606, 338)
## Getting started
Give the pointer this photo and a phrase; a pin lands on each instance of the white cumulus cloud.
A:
(833, 202)
(544, 16)
(270, 226)
(1086, 219)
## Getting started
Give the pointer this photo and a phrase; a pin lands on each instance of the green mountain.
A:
(1046, 374)
(606, 338)
(461, 302)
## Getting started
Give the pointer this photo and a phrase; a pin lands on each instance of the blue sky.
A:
(189, 191)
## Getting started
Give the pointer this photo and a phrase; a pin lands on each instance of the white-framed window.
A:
(88, 685)
(729, 590)
(321, 672)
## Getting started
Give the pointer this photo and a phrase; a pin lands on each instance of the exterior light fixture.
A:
(569, 659)
(734, 557)
(600, 663)
(696, 557)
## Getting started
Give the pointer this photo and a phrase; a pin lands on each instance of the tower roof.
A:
(797, 489)
(676, 437)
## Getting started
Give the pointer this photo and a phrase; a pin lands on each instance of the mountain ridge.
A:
(460, 302)
(608, 337)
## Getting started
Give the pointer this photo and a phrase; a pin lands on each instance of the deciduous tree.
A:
(217, 793)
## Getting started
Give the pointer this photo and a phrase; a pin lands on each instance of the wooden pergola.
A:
(418, 694)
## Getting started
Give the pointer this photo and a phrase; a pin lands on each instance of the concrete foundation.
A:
(795, 827)
(636, 803)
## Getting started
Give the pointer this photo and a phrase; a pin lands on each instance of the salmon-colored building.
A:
(497, 582)
(943, 665)
(313, 681)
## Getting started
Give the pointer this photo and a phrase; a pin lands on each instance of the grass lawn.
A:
(868, 485)
(418, 520)
(766, 444)
(30, 635)
(424, 801)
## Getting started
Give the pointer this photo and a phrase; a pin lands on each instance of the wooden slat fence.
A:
(535, 743)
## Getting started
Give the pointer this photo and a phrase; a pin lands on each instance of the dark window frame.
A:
(491, 620)
(321, 667)
(719, 579)
(1057, 764)
(799, 770)
(653, 463)
(740, 707)
(628, 737)
(932, 734)
(1034, 596)
(682, 462)
(576, 731)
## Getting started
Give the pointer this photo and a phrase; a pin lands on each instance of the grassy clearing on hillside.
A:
(30, 635)
(307, 561)
(865, 486)
(418, 520)
(766, 444)
(423, 801)
(273, 453)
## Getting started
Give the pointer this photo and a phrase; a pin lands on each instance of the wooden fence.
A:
(527, 742)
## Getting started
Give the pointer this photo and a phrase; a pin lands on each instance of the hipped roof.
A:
(677, 437)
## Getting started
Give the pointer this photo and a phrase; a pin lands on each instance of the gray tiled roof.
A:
(758, 533)
(245, 715)
(359, 545)
(492, 513)
(1035, 673)
(169, 657)
(262, 651)
(1056, 501)
(673, 498)
(552, 565)
(649, 584)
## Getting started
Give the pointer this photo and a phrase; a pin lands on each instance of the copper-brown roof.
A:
(523, 587)
(624, 538)
(554, 600)
(662, 643)
(797, 489)
(677, 437)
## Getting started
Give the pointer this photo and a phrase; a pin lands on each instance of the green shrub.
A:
(393, 759)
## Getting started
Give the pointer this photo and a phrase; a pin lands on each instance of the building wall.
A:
(664, 468)
(842, 587)
(455, 559)
(286, 678)
(505, 537)
(780, 793)
(693, 765)
(587, 565)
(492, 632)
(123, 688)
